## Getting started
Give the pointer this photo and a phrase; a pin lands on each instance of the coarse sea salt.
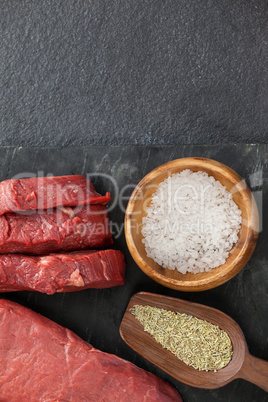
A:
(191, 224)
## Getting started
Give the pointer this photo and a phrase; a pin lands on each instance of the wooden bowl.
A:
(240, 253)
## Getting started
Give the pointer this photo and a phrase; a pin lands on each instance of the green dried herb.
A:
(196, 342)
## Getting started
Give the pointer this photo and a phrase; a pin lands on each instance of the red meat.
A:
(42, 361)
(52, 230)
(48, 192)
(62, 272)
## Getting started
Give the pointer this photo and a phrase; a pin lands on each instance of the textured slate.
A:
(78, 72)
(95, 315)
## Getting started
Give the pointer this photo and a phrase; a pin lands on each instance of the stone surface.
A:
(77, 72)
(95, 315)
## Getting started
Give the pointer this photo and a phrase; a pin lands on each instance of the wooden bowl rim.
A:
(251, 234)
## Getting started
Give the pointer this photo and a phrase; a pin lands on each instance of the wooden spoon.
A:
(243, 364)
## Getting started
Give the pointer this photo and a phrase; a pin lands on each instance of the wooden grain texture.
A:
(239, 255)
(243, 365)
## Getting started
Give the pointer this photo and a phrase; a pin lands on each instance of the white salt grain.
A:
(191, 224)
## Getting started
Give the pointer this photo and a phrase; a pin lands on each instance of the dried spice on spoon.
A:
(198, 343)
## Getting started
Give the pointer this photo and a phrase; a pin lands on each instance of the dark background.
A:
(77, 72)
(112, 72)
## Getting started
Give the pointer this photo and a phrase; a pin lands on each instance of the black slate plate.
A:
(95, 315)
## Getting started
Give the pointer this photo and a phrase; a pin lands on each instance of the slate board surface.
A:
(77, 72)
(95, 315)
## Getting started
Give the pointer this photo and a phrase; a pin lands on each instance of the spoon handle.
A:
(255, 370)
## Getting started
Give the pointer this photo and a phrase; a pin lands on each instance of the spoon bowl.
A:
(242, 365)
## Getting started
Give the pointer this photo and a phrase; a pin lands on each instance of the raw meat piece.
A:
(48, 192)
(42, 361)
(52, 230)
(62, 272)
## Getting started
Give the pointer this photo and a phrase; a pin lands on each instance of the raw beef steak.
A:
(48, 192)
(42, 361)
(62, 272)
(56, 229)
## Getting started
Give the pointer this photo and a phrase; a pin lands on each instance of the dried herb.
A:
(196, 342)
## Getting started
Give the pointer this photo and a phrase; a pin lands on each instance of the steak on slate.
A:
(56, 229)
(48, 192)
(62, 272)
(42, 361)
